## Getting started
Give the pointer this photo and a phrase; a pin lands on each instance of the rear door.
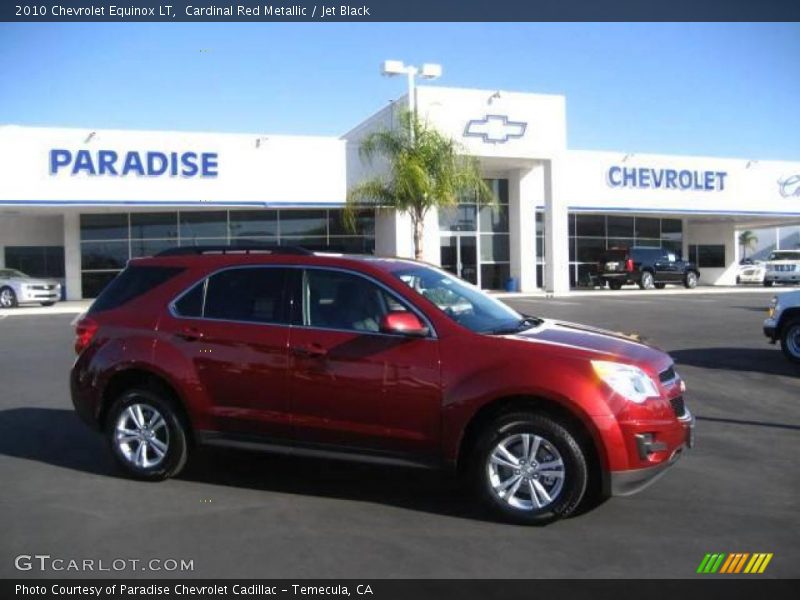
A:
(233, 327)
(353, 386)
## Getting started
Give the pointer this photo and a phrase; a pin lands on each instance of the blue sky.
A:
(715, 89)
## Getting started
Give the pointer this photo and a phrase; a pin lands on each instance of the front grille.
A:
(43, 287)
(667, 375)
(678, 406)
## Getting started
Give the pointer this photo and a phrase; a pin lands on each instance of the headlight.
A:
(773, 306)
(627, 380)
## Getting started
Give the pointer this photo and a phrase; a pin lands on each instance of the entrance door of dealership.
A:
(459, 254)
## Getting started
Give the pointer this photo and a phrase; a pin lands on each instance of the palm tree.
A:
(747, 240)
(426, 169)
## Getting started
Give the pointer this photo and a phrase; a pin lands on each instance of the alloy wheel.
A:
(6, 298)
(526, 471)
(142, 436)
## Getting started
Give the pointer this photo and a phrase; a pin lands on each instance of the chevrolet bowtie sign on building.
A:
(495, 129)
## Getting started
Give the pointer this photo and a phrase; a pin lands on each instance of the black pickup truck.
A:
(647, 267)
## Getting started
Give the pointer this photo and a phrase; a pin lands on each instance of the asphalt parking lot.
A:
(245, 515)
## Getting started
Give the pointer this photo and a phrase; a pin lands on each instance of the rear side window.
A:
(253, 294)
(191, 303)
(132, 283)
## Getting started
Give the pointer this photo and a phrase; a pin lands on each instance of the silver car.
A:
(16, 288)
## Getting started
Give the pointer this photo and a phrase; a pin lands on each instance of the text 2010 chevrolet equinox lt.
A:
(371, 358)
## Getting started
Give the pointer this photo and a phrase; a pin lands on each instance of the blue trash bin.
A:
(512, 285)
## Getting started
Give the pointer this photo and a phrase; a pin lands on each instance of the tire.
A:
(660, 286)
(790, 340)
(690, 281)
(767, 283)
(47, 303)
(8, 298)
(169, 435)
(556, 446)
(738, 280)
(646, 280)
(615, 285)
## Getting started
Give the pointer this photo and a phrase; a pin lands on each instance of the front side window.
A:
(339, 300)
(463, 303)
(251, 294)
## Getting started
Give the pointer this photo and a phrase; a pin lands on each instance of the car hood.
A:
(600, 343)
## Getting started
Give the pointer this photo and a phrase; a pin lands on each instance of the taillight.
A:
(629, 265)
(84, 332)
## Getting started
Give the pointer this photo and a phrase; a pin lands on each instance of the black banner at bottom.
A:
(746, 586)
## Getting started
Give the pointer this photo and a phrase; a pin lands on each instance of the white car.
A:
(782, 266)
(752, 273)
(783, 323)
(17, 288)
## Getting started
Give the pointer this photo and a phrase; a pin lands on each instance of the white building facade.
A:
(76, 204)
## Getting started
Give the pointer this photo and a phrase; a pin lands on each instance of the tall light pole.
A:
(392, 68)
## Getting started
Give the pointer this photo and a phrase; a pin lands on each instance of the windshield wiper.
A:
(521, 325)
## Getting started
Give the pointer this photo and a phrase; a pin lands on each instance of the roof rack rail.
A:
(243, 249)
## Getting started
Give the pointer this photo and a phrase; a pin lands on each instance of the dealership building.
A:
(76, 204)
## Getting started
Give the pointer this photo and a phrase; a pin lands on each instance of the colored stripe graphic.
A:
(734, 563)
(728, 563)
(764, 564)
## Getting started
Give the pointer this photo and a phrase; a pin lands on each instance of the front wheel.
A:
(528, 468)
(147, 435)
(8, 299)
(690, 281)
(790, 340)
(646, 281)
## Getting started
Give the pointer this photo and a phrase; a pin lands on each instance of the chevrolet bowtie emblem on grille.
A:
(495, 129)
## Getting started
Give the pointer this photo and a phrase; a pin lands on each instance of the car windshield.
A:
(11, 273)
(785, 255)
(463, 303)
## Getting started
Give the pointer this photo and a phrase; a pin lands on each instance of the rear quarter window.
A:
(132, 283)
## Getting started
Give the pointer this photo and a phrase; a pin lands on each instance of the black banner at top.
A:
(398, 10)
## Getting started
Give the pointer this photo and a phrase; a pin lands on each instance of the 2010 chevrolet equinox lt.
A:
(371, 358)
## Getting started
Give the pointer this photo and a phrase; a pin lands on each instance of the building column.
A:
(556, 235)
(525, 187)
(72, 255)
(394, 235)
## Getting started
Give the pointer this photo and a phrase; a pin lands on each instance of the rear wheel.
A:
(615, 285)
(646, 281)
(790, 340)
(690, 281)
(528, 468)
(147, 435)
(8, 299)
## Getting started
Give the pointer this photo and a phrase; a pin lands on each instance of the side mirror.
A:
(403, 323)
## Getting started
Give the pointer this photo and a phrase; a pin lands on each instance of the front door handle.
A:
(309, 351)
(190, 334)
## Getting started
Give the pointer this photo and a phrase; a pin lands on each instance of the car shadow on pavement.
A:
(54, 436)
(768, 360)
(58, 437)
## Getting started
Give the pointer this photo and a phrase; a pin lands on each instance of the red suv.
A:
(379, 359)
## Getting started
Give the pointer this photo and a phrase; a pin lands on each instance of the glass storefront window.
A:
(104, 255)
(458, 218)
(590, 249)
(494, 218)
(154, 225)
(365, 223)
(94, 282)
(253, 223)
(647, 227)
(303, 223)
(620, 227)
(104, 227)
(150, 247)
(494, 276)
(203, 224)
(590, 225)
(495, 248)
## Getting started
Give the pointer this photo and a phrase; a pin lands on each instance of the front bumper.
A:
(632, 481)
(34, 295)
(782, 277)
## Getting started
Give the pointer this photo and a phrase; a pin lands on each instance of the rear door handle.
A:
(309, 351)
(190, 334)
